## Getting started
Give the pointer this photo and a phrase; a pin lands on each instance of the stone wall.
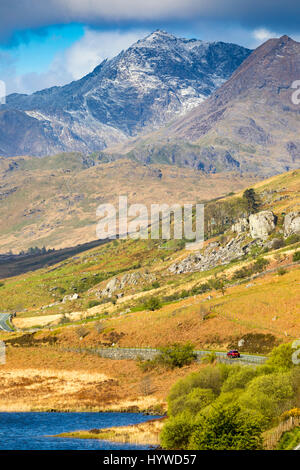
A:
(135, 353)
(148, 354)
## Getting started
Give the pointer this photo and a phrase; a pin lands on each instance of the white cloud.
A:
(84, 55)
(75, 62)
(263, 34)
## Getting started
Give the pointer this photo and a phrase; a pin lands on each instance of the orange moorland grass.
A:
(269, 304)
(44, 378)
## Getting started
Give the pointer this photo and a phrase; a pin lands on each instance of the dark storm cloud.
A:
(21, 15)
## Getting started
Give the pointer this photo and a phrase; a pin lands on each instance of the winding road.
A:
(4, 319)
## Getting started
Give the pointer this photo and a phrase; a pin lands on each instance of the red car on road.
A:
(233, 353)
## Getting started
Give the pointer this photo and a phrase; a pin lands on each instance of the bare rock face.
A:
(242, 225)
(292, 224)
(262, 224)
(213, 255)
(128, 279)
(70, 297)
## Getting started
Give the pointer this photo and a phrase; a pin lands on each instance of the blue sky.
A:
(46, 44)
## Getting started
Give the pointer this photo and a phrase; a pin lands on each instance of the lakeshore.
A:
(40, 430)
(145, 433)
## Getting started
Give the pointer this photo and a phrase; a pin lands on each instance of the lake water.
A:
(30, 431)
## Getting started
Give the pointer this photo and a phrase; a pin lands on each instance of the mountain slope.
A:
(249, 123)
(145, 86)
(252, 313)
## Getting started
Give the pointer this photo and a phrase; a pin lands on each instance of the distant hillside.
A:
(52, 201)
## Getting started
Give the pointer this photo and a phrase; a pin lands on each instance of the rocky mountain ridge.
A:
(158, 78)
(249, 124)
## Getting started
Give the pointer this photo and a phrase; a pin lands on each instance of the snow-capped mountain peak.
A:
(155, 80)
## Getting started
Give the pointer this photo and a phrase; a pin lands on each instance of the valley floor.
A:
(43, 379)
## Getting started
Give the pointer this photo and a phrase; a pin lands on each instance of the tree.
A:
(270, 395)
(260, 265)
(176, 432)
(210, 377)
(252, 200)
(296, 256)
(218, 284)
(153, 303)
(227, 428)
(281, 357)
(238, 378)
(196, 399)
(177, 355)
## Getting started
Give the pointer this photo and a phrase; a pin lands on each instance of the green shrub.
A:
(260, 265)
(247, 271)
(252, 200)
(152, 304)
(193, 402)
(209, 358)
(281, 271)
(278, 243)
(176, 355)
(227, 407)
(281, 357)
(242, 273)
(227, 428)
(292, 239)
(296, 256)
(239, 377)
(155, 285)
(201, 289)
(217, 284)
(210, 377)
(270, 395)
(289, 440)
(93, 303)
(224, 399)
(147, 365)
(61, 290)
(176, 433)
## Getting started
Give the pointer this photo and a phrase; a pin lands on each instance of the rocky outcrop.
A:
(128, 279)
(214, 255)
(292, 224)
(70, 297)
(242, 225)
(262, 224)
